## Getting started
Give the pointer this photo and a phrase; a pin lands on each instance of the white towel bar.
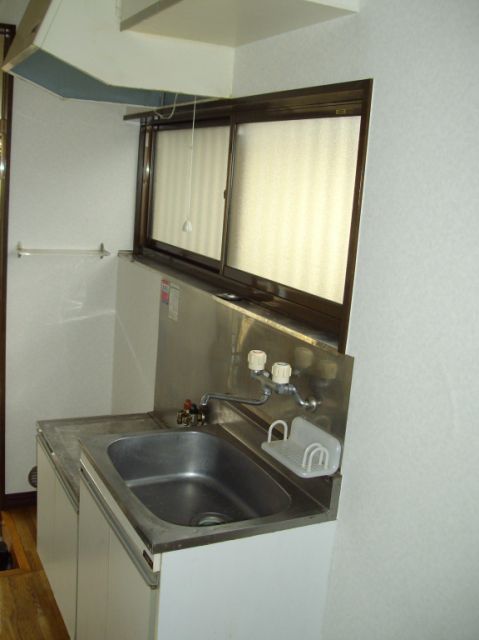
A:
(100, 253)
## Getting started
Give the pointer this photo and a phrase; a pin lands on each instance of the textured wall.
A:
(406, 562)
(72, 186)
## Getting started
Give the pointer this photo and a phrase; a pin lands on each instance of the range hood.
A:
(149, 54)
(76, 50)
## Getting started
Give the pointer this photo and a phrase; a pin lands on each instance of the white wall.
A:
(406, 562)
(72, 186)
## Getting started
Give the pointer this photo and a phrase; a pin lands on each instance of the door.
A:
(7, 33)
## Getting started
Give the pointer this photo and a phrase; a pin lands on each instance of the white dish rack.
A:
(309, 451)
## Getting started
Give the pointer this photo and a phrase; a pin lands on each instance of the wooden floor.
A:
(27, 608)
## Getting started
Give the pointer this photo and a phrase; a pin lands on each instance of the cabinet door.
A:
(45, 511)
(130, 600)
(93, 549)
(65, 558)
(114, 600)
(57, 538)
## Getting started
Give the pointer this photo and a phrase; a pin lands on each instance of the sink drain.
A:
(209, 519)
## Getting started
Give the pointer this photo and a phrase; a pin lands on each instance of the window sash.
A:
(331, 101)
(298, 177)
(187, 209)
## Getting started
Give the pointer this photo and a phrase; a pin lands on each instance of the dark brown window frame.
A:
(338, 100)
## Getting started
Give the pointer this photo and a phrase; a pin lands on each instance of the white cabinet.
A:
(93, 543)
(57, 537)
(271, 586)
(114, 600)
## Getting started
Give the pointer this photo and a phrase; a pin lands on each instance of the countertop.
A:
(62, 439)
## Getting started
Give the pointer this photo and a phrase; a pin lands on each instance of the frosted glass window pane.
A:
(292, 202)
(171, 188)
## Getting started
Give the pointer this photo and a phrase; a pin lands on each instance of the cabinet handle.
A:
(151, 579)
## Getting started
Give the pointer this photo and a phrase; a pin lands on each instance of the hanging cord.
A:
(162, 116)
(187, 226)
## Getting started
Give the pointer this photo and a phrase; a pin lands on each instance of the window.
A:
(297, 178)
(262, 196)
(188, 188)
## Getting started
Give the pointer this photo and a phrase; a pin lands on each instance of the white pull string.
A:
(187, 225)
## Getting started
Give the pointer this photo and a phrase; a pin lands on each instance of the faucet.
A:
(276, 381)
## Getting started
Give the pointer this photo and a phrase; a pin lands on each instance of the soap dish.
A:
(309, 451)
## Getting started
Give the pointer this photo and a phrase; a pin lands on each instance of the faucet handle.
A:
(256, 360)
(281, 372)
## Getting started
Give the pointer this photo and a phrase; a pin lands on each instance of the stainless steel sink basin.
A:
(193, 478)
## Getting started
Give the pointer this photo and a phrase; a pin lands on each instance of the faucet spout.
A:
(205, 398)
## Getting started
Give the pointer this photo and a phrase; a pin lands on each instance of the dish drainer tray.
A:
(309, 451)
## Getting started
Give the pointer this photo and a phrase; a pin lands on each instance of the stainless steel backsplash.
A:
(203, 346)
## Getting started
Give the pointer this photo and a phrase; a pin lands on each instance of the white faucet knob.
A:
(281, 372)
(256, 360)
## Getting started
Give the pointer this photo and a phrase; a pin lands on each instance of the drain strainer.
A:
(209, 519)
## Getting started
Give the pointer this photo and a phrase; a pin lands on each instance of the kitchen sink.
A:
(195, 479)
(178, 488)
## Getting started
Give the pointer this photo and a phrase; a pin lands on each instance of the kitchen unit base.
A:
(271, 586)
